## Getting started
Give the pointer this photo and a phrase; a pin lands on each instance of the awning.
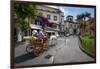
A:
(61, 31)
(50, 31)
(45, 20)
(35, 26)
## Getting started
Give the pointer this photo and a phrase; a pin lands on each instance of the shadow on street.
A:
(18, 44)
(24, 57)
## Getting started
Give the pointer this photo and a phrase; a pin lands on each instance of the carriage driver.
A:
(40, 34)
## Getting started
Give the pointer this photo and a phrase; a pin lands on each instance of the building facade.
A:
(55, 18)
(71, 27)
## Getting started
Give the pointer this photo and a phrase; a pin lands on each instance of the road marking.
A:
(51, 60)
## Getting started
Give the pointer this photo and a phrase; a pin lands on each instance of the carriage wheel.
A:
(29, 49)
(38, 51)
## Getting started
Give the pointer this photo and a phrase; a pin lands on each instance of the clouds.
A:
(52, 6)
(63, 9)
(74, 11)
(66, 12)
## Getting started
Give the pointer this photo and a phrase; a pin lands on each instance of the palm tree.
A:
(84, 16)
(79, 21)
(88, 15)
(92, 26)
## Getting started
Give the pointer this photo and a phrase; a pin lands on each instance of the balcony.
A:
(33, 26)
(51, 28)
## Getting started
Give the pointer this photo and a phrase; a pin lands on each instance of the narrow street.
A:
(71, 52)
(66, 51)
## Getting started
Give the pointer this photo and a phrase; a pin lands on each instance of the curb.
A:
(93, 56)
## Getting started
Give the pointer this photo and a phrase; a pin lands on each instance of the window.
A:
(70, 19)
(61, 20)
(38, 23)
(55, 18)
(53, 33)
(48, 16)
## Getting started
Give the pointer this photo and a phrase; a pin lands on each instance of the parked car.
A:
(52, 37)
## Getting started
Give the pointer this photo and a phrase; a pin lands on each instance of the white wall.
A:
(59, 16)
(51, 14)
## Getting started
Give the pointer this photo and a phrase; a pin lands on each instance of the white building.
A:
(70, 26)
(54, 16)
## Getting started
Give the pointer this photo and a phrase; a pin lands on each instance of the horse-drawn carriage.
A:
(35, 45)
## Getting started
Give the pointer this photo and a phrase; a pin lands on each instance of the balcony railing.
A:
(33, 26)
(51, 28)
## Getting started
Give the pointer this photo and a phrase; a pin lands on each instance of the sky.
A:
(74, 11)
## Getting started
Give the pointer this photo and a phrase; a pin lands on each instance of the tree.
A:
(25, 14)
(80, 22)
(81, 19)
(92, 26)
(84, 16)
